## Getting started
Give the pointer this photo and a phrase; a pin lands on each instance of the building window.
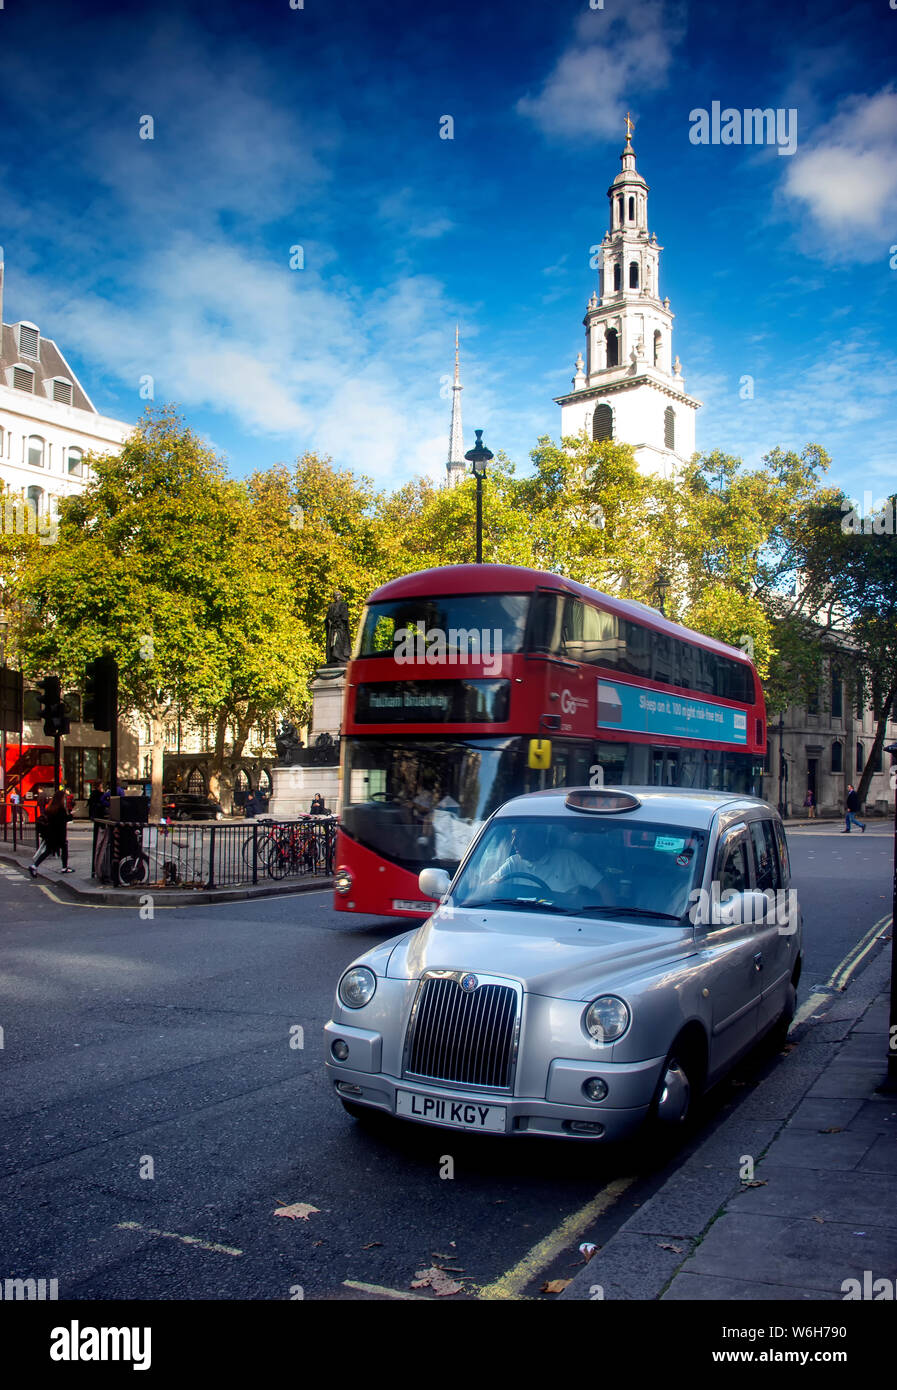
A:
(860, 695)
(62, 391)
(619, 208)
(837, 695)
(76, 463)
(658, 347)
(23, 379)
(612, 347)
(859, 757)
(36, 451)
(618, 276)
(35, 499)
(633, 275)
(603, 422)
(669, 428)
(813, 700)
(29, 340)
(632, 209)
(836, 757)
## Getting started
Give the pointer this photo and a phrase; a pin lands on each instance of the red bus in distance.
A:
(470, 684)
(29, 770)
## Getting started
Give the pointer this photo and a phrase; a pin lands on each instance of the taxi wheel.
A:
(676, 1096)
(778, 1034)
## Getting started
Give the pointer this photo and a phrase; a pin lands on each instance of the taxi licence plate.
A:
(461, 1114)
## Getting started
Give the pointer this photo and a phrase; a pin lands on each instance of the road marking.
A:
(168, 907)
(382, 1291)
(840, 976)
(510, 1285)
(841, 973)
(173, 1235)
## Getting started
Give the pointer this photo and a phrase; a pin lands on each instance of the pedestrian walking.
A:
(52, 827)
(852, 806)
(16, 808)
(810, 803)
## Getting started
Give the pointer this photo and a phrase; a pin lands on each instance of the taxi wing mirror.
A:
(433, 883)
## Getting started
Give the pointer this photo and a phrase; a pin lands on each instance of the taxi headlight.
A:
(357, 987)
(607, 1018)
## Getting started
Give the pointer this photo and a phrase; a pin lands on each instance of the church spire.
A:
(456, 468)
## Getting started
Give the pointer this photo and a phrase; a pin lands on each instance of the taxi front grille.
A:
(466, 1039)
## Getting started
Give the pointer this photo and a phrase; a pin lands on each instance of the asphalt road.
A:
(154, 1115)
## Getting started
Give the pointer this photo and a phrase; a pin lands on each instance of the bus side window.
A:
(571, 636)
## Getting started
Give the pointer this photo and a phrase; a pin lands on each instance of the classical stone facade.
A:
(826, 747)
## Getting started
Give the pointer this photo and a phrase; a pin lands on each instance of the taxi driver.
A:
(534, 854)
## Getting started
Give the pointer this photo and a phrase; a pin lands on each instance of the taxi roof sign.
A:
(601, 800)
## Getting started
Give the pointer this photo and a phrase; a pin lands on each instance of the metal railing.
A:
(211, 854)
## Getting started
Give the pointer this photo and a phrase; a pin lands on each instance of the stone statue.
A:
(339, 648)
(288, 743)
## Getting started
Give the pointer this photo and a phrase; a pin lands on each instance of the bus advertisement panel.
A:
(470, 684)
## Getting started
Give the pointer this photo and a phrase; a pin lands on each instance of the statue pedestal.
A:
(294, 787)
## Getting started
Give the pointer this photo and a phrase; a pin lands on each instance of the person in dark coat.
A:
(852, 806)
(317, 806)
(95, 807)
(52, 827)
(250, 807)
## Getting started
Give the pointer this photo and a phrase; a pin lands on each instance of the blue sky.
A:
(276, 127)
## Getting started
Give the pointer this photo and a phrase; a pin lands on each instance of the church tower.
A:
(630, 387)
(456, 468)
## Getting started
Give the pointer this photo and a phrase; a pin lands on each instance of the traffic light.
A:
(11, 696)
(51, 706)
(101, 693)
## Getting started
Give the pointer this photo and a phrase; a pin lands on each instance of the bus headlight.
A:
(343, 881)
(607, 1018)
(357, 987)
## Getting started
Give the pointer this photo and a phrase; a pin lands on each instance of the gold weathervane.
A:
(630, 125)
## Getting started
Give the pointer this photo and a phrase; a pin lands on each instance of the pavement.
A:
(791, 1196)
(81, 886)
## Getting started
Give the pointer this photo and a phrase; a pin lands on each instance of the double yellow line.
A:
(843, 972)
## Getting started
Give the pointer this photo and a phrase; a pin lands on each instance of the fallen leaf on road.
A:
(587, 1250)
(820, 1219)
(297, 1211)
(372, 1244)
(835, 1129)
(555, 1286)
(676, 1249)
(435, 1279)
(754, 1182)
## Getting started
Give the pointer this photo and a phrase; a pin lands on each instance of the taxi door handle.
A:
(758, 961)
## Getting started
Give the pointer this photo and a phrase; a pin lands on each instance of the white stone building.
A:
(48, 423)
(630, 387)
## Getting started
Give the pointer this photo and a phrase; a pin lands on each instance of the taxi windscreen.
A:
(603, 867)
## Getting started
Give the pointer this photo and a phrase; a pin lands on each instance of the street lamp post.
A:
(890, 1084)
(478, 457)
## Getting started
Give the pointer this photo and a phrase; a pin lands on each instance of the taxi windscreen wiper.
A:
(518, 902)
(628, 912)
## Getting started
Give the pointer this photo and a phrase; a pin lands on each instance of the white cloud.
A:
(612, 57)
(846, 179)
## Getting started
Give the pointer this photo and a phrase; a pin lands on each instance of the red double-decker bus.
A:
(29, 770)
(470, 684)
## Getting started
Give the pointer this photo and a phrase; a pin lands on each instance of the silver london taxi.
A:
(601, 957)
